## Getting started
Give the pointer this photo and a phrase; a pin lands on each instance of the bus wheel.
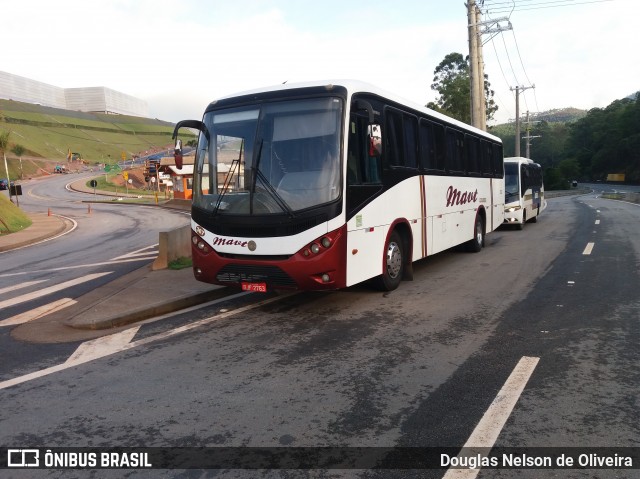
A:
(535, 218)
(393, 264)
(474, 245)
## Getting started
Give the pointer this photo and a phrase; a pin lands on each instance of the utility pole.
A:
(476, 61)
(518, 89)
(528, 137)
(474, 65)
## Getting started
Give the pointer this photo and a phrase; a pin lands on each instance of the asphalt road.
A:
(419, 367)
(107, 240)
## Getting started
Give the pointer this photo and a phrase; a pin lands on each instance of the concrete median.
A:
(172, 245)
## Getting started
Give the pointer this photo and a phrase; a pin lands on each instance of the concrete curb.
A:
(27, 236)
(149, 311)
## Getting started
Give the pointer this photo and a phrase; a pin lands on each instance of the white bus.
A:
(321, 186)
(524, 191)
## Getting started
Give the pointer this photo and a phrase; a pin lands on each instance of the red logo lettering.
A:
(455, 197)
(218, 241)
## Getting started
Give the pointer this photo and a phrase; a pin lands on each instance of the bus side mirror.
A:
(177, 154)
(375, 140)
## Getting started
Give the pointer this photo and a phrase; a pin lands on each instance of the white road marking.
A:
(75, 225)
(117, 344)
(488, 429)
(79, 266)
(26, 284)
(588, 249)
(103, 346)
(140, 252)
(38, 312)
(50, 289)
(597, 222)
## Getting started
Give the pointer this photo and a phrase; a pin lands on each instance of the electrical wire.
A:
(535, 6)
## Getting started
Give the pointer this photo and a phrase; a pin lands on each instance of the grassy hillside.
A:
(12, 218)
(50, 133)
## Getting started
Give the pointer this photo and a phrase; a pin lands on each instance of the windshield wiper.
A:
(227, 181)
(268, 186)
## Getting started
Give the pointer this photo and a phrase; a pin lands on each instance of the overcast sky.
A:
(180, 55)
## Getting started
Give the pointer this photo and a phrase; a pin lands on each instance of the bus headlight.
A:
(320, 245)
(200, 244)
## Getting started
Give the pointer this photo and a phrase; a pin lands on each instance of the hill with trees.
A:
(587, 147)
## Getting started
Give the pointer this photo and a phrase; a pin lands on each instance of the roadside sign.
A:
(93, 183)
(125, 175)
(107, 168)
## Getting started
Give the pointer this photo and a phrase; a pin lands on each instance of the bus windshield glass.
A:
(271, 158)
(511, 182)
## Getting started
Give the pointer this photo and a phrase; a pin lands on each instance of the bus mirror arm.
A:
(177, 152)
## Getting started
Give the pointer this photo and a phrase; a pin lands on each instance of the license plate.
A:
(254, 287)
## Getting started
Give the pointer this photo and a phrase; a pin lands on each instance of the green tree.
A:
(19, 150)
(452, 82)
(4, 142)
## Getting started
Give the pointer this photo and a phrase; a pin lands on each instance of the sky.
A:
(179, 56)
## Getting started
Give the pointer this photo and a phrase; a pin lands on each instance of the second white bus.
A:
(322, 185)
(524, 191)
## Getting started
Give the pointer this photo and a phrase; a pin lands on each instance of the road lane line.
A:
(103, 346)
(139, 252)
(488, 429)
(26, 284)
(79, 266)
(597, 222)
(50, 289)
(38, 312)
(588, 249)
(124, 347)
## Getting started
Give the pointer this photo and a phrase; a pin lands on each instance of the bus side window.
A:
(486, 167)
(440, 147)
(362, 167)
(455, 152)
(427, 146)
(402, 139)
(472, 150)
(498, 161)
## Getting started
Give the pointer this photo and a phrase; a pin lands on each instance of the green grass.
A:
(180, 263)
(75, 131)
(12, 218)
(105, 185)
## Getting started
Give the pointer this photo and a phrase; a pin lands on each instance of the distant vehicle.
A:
(524, 191)
(4, 184)
(60, 169)
(574, 183)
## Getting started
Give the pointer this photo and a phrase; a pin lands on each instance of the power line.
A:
(524, 71)
(537, 6)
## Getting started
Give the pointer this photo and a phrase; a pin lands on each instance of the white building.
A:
(90, 99)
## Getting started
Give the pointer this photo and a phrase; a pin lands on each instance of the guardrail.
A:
(630, 197)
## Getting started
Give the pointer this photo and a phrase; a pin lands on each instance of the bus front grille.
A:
(272, 275)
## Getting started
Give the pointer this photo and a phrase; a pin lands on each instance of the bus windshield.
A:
(511, 182)
(271, 158)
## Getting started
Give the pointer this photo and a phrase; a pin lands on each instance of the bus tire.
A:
(535, 218)
(477, 243)
(393, 261)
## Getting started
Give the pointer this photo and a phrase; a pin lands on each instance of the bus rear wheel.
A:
(476, 244)
(393, 261)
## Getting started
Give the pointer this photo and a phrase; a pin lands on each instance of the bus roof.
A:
(357, 86)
